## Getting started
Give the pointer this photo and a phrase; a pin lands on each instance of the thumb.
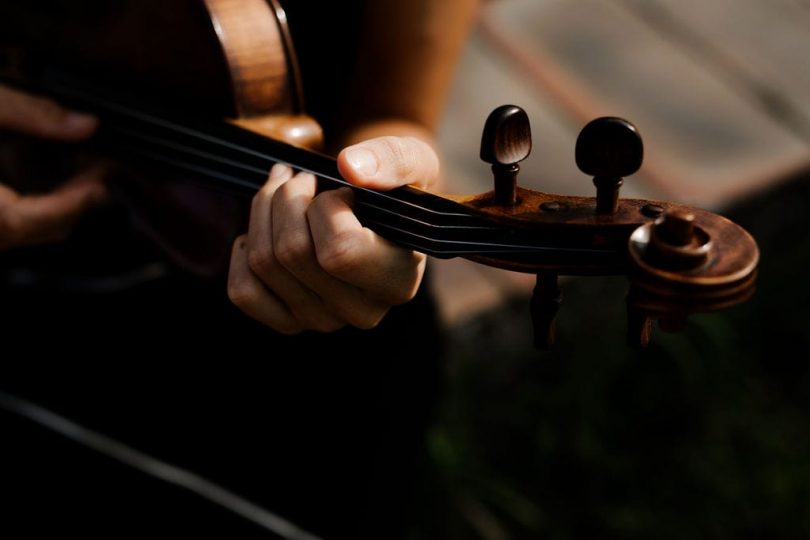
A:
(42, 118)
(389, 162)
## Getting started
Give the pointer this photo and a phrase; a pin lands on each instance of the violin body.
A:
(171, 54)
(214, 59)
(226, 59)
(222, 59)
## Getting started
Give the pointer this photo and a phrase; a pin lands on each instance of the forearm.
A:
(405, 69)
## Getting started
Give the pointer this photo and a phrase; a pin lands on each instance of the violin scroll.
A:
(684, 263)
(679, 260)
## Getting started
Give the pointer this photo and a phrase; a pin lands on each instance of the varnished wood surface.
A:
(263, 70)
(171, 55)
(257, 57)
(175, 57)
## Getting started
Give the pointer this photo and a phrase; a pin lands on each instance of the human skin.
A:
(35, 219)
(306, 263)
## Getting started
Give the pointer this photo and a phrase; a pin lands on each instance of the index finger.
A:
(42, 117)
(31, 219)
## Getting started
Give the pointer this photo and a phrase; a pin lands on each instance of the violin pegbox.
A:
(679, 260)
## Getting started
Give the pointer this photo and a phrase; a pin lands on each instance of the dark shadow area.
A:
(705, 434)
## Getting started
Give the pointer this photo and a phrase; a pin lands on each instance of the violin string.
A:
(174, 126)
(443, 246)
(191, 150)
(220, 142)
(508, 248)
(482, 248)
(262, 174)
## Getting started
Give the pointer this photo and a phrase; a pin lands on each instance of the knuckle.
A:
(240, 293)
(342, 253)
(302, 184)
(324, 206)
(240, 242)
(284, 193)
(402, 295)
(261, 261)
(279, 171)
(263, 196)
(319, 205)
(406, 289)
(324, 201)
(403, 289)
(292, 250)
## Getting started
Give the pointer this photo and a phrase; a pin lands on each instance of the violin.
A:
(679, 260)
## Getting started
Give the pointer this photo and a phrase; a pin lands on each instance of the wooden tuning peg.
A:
(609, 149)
(546, 299)
(506, 141)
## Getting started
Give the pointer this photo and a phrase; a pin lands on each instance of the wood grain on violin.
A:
(679, 259)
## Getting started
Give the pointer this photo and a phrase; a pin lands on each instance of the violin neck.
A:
(228, 157)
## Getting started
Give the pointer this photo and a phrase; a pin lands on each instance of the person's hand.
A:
(34, 219)
(307, 263)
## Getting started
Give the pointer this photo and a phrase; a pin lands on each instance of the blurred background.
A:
(706, 434)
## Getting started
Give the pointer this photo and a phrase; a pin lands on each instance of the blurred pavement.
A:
(720, 92)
